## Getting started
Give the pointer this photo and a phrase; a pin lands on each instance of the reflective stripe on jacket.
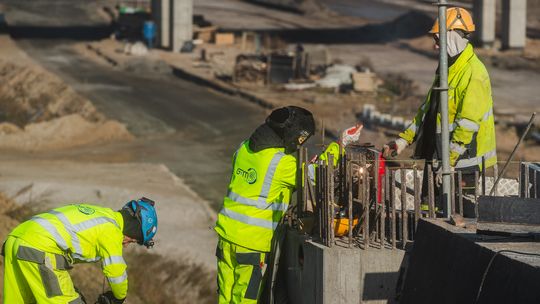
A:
(258, 196)
(470, 110)
(83, 233)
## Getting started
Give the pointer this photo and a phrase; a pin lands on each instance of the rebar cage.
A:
(362, 201)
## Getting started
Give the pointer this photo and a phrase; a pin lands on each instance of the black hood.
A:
(132, 227)
(264, 137)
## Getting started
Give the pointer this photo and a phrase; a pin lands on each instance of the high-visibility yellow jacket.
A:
(470, 110)
(82, 233)
(258, 196)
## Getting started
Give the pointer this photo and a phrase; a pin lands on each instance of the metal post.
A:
(443, 91)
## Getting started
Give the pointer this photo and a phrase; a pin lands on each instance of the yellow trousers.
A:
(240, 273)
(34, 276)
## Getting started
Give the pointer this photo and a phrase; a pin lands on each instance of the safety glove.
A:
(394, 148)
(351, 135)
(108, 298)
(439, 176)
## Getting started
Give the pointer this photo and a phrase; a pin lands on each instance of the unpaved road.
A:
(192, 130)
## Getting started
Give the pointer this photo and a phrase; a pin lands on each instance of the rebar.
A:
(393, 208)
(452, 195)
(403, 207)
(350, 203)
(460, 192)
(495, 176)
(514, 151)
(366, 206)
(526, 180)
(431, 191)
(483, 175)
(416, 197)
(331, 197)
(476, 176)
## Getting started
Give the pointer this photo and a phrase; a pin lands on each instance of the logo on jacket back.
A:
(86, 210)
(250, 176)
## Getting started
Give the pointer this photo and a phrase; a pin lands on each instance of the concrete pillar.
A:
(514, 24)
(181, 23)
(484, 19)
(161, 13)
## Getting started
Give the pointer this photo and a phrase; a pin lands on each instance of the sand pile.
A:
(29, 94)
(39, 111)
(64, 132)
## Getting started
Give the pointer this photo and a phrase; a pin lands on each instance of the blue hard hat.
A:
(143, 210)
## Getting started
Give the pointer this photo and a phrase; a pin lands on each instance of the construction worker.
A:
(470, 108)
(39, 252)
(262, 181)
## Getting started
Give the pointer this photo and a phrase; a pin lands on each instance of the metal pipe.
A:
(443, 91)
(513, 152)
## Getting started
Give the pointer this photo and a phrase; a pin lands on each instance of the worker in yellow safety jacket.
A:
(39, 252)
(470, 108)
(263, 179)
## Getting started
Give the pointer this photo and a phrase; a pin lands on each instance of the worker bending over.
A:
(39, 252)
(262, 181)
(470, 110)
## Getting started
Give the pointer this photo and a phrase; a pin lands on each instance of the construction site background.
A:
(57, 145)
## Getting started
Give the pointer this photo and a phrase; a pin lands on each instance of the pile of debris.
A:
(301, 70)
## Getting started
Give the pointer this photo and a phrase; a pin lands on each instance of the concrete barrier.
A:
(317, 274)
(455, 265)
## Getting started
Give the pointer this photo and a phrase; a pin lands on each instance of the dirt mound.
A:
(39, 111)
(64, 132)
(29, 94)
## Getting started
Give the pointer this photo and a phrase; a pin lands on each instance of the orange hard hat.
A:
(457, 18)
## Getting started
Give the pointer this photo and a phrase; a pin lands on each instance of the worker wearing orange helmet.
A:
(470, 108)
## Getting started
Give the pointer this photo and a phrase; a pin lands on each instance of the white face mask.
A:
(455, 43)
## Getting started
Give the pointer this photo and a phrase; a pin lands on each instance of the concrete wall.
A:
(316, 274)
(447, 265)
